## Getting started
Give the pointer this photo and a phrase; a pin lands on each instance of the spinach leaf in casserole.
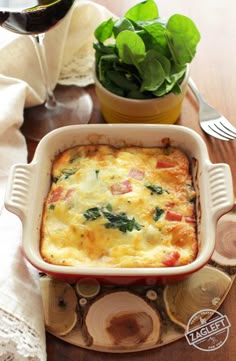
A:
(115, 220)
(156, 189)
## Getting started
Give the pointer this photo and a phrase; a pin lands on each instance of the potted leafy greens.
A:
(142, 64)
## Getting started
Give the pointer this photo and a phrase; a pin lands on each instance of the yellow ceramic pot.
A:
(164, 110)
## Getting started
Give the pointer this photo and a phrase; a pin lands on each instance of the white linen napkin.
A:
(70, 59)
(22, 333)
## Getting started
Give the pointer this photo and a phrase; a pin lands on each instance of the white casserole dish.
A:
(29, 184)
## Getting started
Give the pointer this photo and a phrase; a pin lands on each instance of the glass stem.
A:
(50, 101)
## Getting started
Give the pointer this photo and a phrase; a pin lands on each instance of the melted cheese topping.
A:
(120, 207)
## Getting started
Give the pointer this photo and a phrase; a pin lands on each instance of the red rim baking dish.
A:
(28, 187)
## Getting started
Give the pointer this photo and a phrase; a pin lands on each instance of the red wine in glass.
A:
(34, 18)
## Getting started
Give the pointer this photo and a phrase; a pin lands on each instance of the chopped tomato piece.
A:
(173, 216)
(136, 173)
(164, 164)
(121, 188)
(171, 258)
(56, 195)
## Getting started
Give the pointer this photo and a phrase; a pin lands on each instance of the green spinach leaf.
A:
(145, 10)
(157, 213)
(131, 48)
(115, 220)
(121, 222)
(156, 189)
(104, 30)
(183, 38)
(92, 213)
(153, 73)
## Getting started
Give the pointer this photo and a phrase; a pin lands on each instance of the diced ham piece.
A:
(68, 193)
(136, 173)
(56, 195)
(121, 188)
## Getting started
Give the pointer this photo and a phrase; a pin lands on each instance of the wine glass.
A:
(35, 18)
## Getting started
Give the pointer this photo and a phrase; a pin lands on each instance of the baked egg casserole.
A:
(120, 207)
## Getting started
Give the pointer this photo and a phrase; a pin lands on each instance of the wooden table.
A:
(214, 70)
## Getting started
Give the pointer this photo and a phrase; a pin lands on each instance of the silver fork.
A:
(211, 121)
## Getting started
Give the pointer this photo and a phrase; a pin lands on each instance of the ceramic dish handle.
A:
(221, 189)
(18, 189)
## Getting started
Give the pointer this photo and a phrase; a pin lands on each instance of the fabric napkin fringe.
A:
(19, 342)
